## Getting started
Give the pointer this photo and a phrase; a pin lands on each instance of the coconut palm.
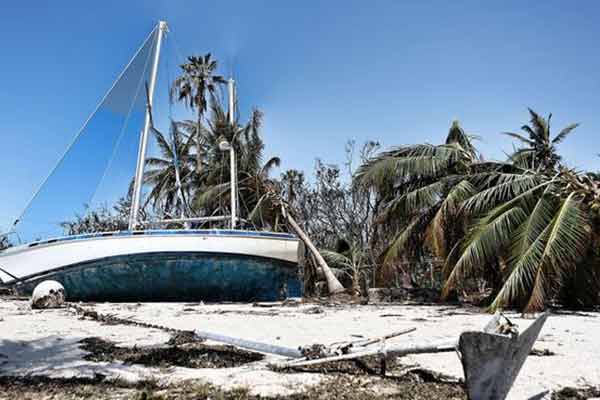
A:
(197, 83)
(171, 173)
(538, 237)
(419, 189)
(213, 194)
(539, 151)
(533, 225)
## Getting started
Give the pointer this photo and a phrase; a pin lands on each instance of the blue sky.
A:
(322, 71)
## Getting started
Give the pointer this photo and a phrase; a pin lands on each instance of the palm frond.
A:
(336, 259)
(538, 219)
(457, 135)
(544, 263)
(540, 125)
(410, 237)
(520, 137)
(509, 187)
(564, 133)
(414, 200)
(485, 242)
(210, 195)
(450, 207)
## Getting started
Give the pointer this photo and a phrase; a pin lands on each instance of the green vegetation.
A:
(522, 232)
(527, 228)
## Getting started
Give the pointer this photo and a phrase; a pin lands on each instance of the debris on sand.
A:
(183, 337)
(337, 386)
(569, 393)
(28, 350)
(541, 352)
(403, 294)
(190, 355)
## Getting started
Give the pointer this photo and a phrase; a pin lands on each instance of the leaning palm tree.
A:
(539, 150)
(537, 237)
(171, 174)
(419, 189)
(533, 225)
(196, 84)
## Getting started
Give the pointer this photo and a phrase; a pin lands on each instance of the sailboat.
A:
(140, 264)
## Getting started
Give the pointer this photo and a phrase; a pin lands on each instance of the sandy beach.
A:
(47, 342)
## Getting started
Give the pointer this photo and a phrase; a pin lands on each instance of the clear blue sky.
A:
(322, 71)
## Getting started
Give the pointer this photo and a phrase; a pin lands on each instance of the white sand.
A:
(45, 342)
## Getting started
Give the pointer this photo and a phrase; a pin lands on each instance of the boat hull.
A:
(161, 266)
(176, 277)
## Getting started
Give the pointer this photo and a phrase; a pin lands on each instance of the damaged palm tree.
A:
(333, 284)
(271, 202)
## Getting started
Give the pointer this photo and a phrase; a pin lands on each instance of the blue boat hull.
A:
(178, 276)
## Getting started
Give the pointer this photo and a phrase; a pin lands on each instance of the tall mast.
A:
(141, 160)
(232, 168)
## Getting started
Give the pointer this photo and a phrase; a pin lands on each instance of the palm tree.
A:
(533, 225)
(537, 237)
(198, 79)
(539, 151)
(419, 190)
(171, 174)
(213, 193)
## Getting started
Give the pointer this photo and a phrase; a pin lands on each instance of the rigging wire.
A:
(79, 133)
(177, 49)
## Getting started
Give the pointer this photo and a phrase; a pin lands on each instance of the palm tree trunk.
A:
(333, 284)
(198, 152)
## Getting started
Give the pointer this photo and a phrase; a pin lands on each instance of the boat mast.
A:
(232, 167)
(141, 160)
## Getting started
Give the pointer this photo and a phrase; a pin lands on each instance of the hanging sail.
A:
(98, 167)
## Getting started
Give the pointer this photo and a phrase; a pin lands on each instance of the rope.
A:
(79, 133)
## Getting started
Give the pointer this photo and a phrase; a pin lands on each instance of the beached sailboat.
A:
(162, 265)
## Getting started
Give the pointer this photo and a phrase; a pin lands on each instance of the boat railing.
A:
(208, 232)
